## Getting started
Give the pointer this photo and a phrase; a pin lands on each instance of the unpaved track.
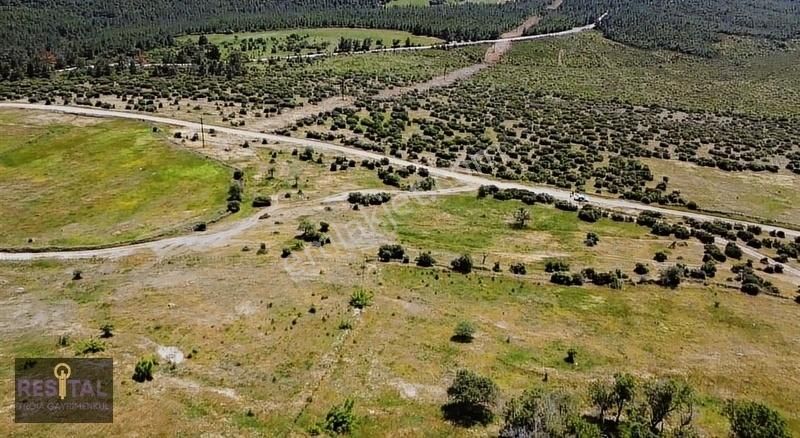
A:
(219, 237)
(503, 39)
(493, 54)
(209, 239)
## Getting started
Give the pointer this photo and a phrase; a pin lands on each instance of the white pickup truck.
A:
(580, 198)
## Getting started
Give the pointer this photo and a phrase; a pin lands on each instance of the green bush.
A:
(391, 252)
(106, 330)
(262, 201)
(340, 418)
(590, 214)
(473, 389)
(566, 279)
(91, 345)
(471, 398)
(361, 298)
(754, 420)
(733, 251)
(465, 332)
(143, 371)
(672, 276)
(462, 264)
(546, 413)
(425, 260)
(554, 265)
(518, 268)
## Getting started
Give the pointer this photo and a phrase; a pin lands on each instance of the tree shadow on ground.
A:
(467, 415)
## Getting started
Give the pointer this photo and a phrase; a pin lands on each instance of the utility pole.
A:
(202, 132)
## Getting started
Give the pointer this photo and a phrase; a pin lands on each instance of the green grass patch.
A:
(465, 223)
(327, 37)
(196, 410)
(590, 66)
(111, 181)
(245, 421)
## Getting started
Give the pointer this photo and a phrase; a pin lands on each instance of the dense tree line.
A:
(41, 35)
(689, 26)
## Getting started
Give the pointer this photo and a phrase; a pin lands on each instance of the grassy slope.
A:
(745, 79)
(105, 182)
(482, 226)
(750, 77)
(645, 330)
(259, 348)
(763, 195)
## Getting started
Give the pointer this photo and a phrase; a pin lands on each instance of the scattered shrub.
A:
(733, 251)
(464, 332)
(555, 265)
(143, 371)
(750, 419)
(425, 260)
(360, 299)
(671, 277)
(340, 418)
(91, 345)
(462, 264)
(262, 201)
(471, 397)
(590, 214)
(517, 268)
(387, 253)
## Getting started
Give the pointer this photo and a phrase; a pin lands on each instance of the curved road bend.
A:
(465, 178)
(450, 45)
(222, 236)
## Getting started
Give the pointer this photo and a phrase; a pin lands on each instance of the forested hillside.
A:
(689, 26)
(40, 35)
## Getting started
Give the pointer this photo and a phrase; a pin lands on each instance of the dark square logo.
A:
(53, 390)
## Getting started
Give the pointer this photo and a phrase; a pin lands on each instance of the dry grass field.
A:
(268, 356)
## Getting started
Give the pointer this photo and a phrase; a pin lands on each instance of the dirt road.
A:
(210, 239)
(470, 179)
(493, 54)
(221, 236)
(505, 38)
